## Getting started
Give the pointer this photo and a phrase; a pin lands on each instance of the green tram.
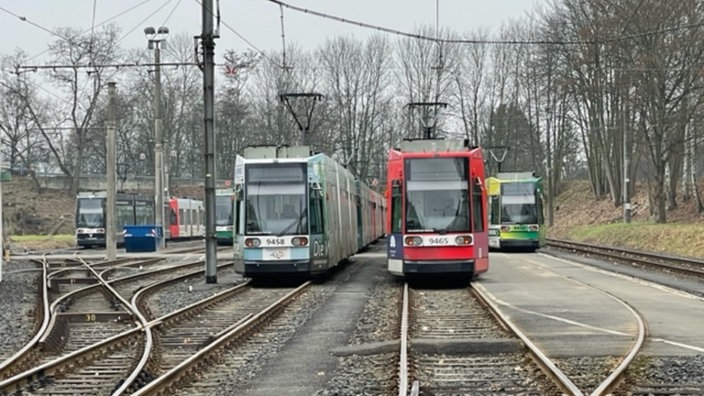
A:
(224, 205)
(516, 218)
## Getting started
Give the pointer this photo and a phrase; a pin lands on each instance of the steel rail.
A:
(141, 294)
(539, 357)
(642, 257)
(4, 366)
(403, 356)
(46, 369)
(173, 376)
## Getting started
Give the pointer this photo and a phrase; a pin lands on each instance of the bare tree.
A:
(471, 77)
(234, 109)
(425, 76)
(273, 123)
(22, 146)
(72, 52)
(662, 60)
(357, 78)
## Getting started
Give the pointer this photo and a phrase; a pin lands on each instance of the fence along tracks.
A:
(445, 368)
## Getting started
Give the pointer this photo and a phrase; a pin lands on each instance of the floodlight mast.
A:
(156, 39)
(428, 118)
(302, 119)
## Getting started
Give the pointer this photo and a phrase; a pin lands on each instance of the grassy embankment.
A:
(683, 239)
(41, 242)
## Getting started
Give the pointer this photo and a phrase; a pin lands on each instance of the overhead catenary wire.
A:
(171, 13)
(25, 19)
(244, 39)
(282, 4)
(143, 21)
(484, 41)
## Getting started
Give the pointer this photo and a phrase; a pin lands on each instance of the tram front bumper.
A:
(248, 268)
(519, 244)
(438, 267)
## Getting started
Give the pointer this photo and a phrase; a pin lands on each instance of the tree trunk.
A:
(686, 165)
(659, 198)
(670, 186)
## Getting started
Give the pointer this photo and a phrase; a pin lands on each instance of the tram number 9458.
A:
(438, 241)
(275, 242)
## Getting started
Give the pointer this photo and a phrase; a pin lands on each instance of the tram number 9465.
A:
(438, 241)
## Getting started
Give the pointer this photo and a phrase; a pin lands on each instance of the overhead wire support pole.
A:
(208, 42)
(111, 214)
(626, 164)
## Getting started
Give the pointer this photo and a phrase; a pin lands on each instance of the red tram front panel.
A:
(436, 219)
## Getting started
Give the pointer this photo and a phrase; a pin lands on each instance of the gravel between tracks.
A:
(370, 373)
(189, 291)
(18, 293)
(686, 372)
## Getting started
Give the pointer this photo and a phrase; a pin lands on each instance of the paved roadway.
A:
(568, 308)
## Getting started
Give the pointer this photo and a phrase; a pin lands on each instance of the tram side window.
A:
(494, 210)
(477, 207)
(236, 213)
(316, 211)
(143, 214)
(396, 208)
(539, 204)
(125, 215)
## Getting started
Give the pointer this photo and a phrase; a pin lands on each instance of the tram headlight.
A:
(299, 241)
(463, 239)
(252, 242)
(504, 228)
(414, 241)
(533, 227)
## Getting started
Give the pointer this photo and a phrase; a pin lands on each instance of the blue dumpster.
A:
(142, 238)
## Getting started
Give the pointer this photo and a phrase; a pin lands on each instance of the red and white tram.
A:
(436, 219)
(186, 218)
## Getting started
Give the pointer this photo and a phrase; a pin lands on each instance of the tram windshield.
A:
(223, 210)
(276, 199)
(436, 195)
(90, 213)
(518, 204)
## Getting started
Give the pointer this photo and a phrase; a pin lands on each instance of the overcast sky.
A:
(257, 21)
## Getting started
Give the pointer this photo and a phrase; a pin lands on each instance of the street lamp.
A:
(155, 39)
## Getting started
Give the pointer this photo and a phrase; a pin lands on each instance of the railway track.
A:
(650, 375)
(178, 359)
(662, 262)
(84, 312)
(460, 342)
(158, 353)
(452, 344)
